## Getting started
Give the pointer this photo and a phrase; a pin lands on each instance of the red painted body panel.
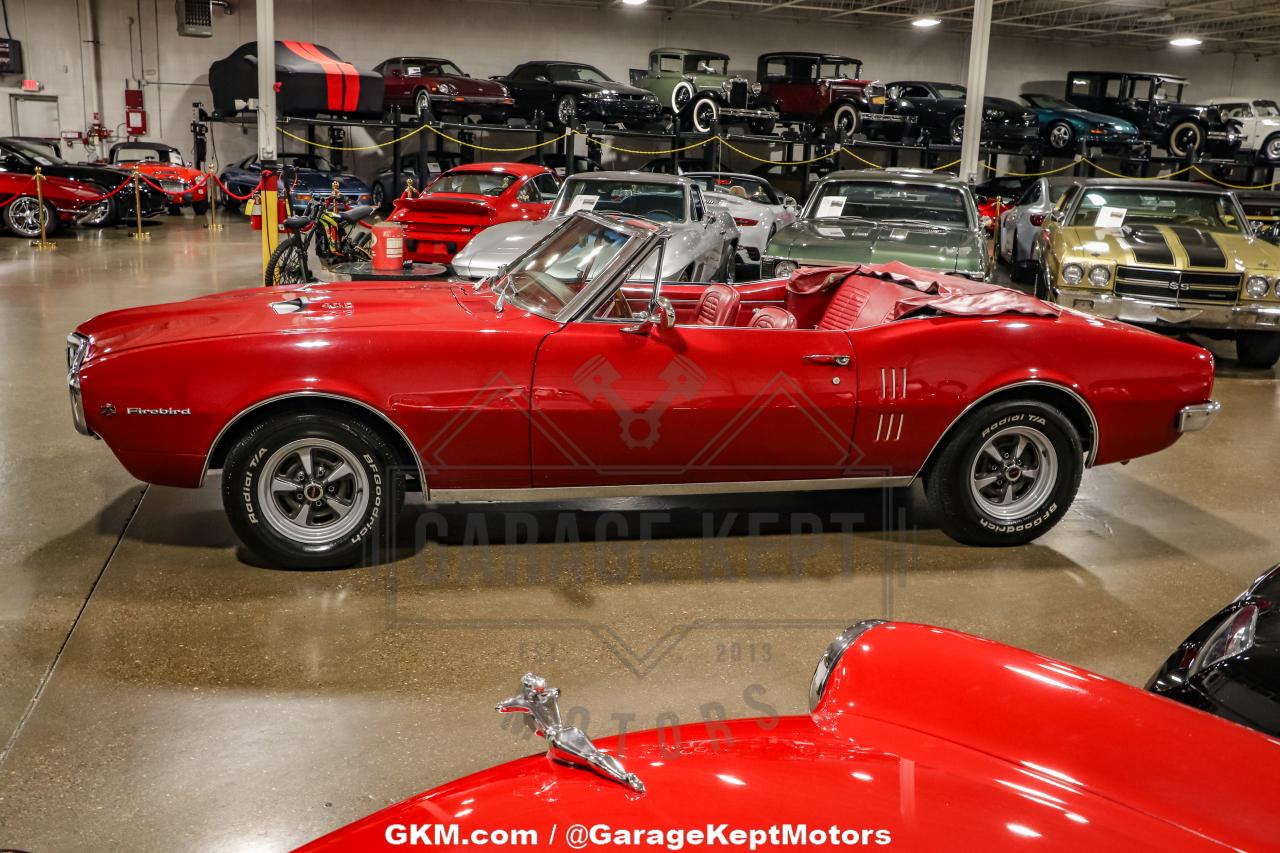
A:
(947, 741)
(809, 100)
(69, 197)
(456, 378)
(438, 225)
(158, 172)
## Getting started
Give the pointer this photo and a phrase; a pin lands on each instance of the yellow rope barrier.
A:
(1235, 186)
(688, 147)
(817, 159)
(297, 138)
(992, 169)
(1174, 174)
(487, 148)
(945, 166)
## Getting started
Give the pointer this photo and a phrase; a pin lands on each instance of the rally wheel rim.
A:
(24, 214)
(313, 491)
(1273, 149)
(1013, 473)
(957, 130)
(1060, 136)
(566, 111)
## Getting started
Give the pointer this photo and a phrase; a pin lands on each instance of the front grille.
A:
(173, 186)
(1177, 286)
(738, 93)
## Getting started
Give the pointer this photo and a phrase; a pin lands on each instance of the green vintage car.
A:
(925, 219)
(696, 88)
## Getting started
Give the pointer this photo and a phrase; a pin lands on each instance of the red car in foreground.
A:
(167, 170)
(465, 200)
(65, 202)
(571, 374)
(918, 738)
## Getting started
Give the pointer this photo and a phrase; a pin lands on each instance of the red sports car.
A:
(568, 374)
(468, 199)
(918, 738)
(426, 85)
(167, 170)
(65, 202)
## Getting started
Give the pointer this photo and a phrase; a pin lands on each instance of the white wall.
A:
(139, 42)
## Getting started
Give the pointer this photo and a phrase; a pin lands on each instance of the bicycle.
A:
(331, 231)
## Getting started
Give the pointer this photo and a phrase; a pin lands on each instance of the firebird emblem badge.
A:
(135, 410)
(107, 410)
(597, 377)
(568, 744)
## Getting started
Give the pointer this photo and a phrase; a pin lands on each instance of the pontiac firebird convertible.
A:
(918, 738)
(571, 375)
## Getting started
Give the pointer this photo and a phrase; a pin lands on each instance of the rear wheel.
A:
(1258, 349)
(1007, 473)
(378, 196)
(1271, 148)
(287, 264)
(422, 103)
(566, 111)
(312, 491)
(956, 129)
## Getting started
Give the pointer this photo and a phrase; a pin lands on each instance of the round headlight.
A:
(1072, 273)
(831, 657)
(756, 88)
(1099, 275)
(784, 268)
(446, 88)
(1257, 286)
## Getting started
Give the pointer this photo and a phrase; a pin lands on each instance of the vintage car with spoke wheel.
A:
(1166, 254)
(1025, 753)
(579, 372)
(696, 88)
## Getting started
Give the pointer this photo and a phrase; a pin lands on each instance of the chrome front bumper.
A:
(77, 349)
(1196, 417)
(1130, 309)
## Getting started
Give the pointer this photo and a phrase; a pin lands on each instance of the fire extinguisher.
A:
(388, 247)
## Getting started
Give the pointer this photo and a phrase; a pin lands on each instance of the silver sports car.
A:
(703, 240)
(1020, 224)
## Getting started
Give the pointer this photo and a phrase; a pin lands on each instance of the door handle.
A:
(837, 360)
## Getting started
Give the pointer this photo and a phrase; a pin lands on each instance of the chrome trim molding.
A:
(1198, 416)
(1189, 315)
(77, 349)
(552, 493)
(1093, 421)
(831, 657)
(417, 459)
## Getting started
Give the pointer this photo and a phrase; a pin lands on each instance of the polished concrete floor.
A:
(159, 691)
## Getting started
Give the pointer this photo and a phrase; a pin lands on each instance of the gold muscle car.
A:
(1165, 254)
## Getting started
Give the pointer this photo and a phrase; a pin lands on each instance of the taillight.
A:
(745, 223)
(1037, 219)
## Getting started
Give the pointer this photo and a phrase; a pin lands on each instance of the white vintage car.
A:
(1259, 120)
(757, 208)
(702, 245)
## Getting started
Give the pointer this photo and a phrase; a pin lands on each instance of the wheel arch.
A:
(1066, 400)
(312, 402)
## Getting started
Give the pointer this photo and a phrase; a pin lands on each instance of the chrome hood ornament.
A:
(564, 743)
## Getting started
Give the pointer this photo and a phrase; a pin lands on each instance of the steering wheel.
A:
(659, 215)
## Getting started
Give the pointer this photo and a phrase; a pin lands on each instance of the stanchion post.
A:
(335, 197)
(397, 165)
(43, 243)
(210, 182)
(268, 200)
(138, 233)
(540, 137)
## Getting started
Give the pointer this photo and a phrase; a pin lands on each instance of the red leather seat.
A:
(718, 306)
(770, 317)
(858, 304)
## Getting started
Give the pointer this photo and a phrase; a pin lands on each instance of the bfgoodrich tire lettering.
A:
(344, 473)
(1005, 474)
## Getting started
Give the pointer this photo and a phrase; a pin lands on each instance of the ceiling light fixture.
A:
(634, 2)
(1185, 41)
(925, 23)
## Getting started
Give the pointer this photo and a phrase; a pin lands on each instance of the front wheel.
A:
(566, 111)
(287, 264)
(378, 196)
(956, 130)
(1061, 136)
(200, 208)
(846, 121)
(1186, 136)
(1007, 473)
(1271, 149)
(22, 217)
(312, 491)
(1258, 349)
(703, 114)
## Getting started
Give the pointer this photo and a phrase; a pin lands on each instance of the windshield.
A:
(306, 161)
(1101, 207)
(473, 183)
(706, 65)
(1266, 109)
(144, 154)
(656, 202)
(585, 73)
(889, 201)
(1161, 90)
(950, 91)
(749, 188)
(43, 156)
(1048, 102)
(547, 279)
(431, 68)
(844, 70)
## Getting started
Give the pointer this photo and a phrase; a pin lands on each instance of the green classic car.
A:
(696, 88)
(925, 219)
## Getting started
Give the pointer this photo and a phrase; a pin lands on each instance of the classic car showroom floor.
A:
(161, 691)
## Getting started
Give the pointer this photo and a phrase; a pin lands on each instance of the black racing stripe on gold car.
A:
(1202, 250)
(1148, 245)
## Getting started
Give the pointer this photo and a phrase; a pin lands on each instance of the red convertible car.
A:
(567, 375)
(164, 166)
(65, 202)
(918, 738)
(468, 199)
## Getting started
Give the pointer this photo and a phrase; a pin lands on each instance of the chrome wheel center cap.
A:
(313, 492)
(1012, 473)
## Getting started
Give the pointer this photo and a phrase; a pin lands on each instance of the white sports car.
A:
(757, 208)
(703, 239)
(1259, 120)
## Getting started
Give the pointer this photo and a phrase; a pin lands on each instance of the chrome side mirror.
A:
(790, 201)
(660, 314)
(1058, 216)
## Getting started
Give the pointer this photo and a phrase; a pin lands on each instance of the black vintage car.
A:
(566, 92)
(23, 156)
(1153, 102)
(1230, 665)
(939, 111)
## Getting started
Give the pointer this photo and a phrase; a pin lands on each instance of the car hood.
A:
(167, 172)
(612, 86)
(1117, 124)
(317, 307)
(826, 242)
(1238, 251)
(473, 86)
